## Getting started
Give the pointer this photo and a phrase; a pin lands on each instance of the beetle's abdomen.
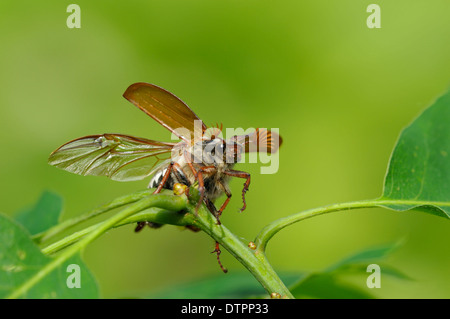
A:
(211, 182)
(159, 175)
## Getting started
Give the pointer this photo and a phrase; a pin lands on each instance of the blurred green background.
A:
(339, 92)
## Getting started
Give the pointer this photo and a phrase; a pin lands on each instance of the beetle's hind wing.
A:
(119, 157)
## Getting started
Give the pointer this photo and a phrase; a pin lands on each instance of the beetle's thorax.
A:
(213, 157)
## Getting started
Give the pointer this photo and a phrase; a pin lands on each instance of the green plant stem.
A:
(165, 209)
(202, 219)
(174, 203)
(153, 214)
(116, 203)
(259, 267)
(270, 230)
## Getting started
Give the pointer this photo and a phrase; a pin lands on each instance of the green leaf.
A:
(20, 259)
(233, 285)
(361, 269)
(418, 175)
(327, 284)
(394, 272)
(43, 215)
(357, 263)
(369, 255)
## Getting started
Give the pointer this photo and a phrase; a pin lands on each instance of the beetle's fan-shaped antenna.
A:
(262, 140)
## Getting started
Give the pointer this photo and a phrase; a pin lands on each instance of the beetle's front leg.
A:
(201, 182)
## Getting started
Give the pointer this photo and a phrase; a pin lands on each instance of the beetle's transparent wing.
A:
(119, 157)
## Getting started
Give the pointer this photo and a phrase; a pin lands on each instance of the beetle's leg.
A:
(228, 193)
(201, 183)
(240, 174)
(141, 225)
(180, 174)
(165, 178)
(218, 252)
(212, 208)
(189, 162)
